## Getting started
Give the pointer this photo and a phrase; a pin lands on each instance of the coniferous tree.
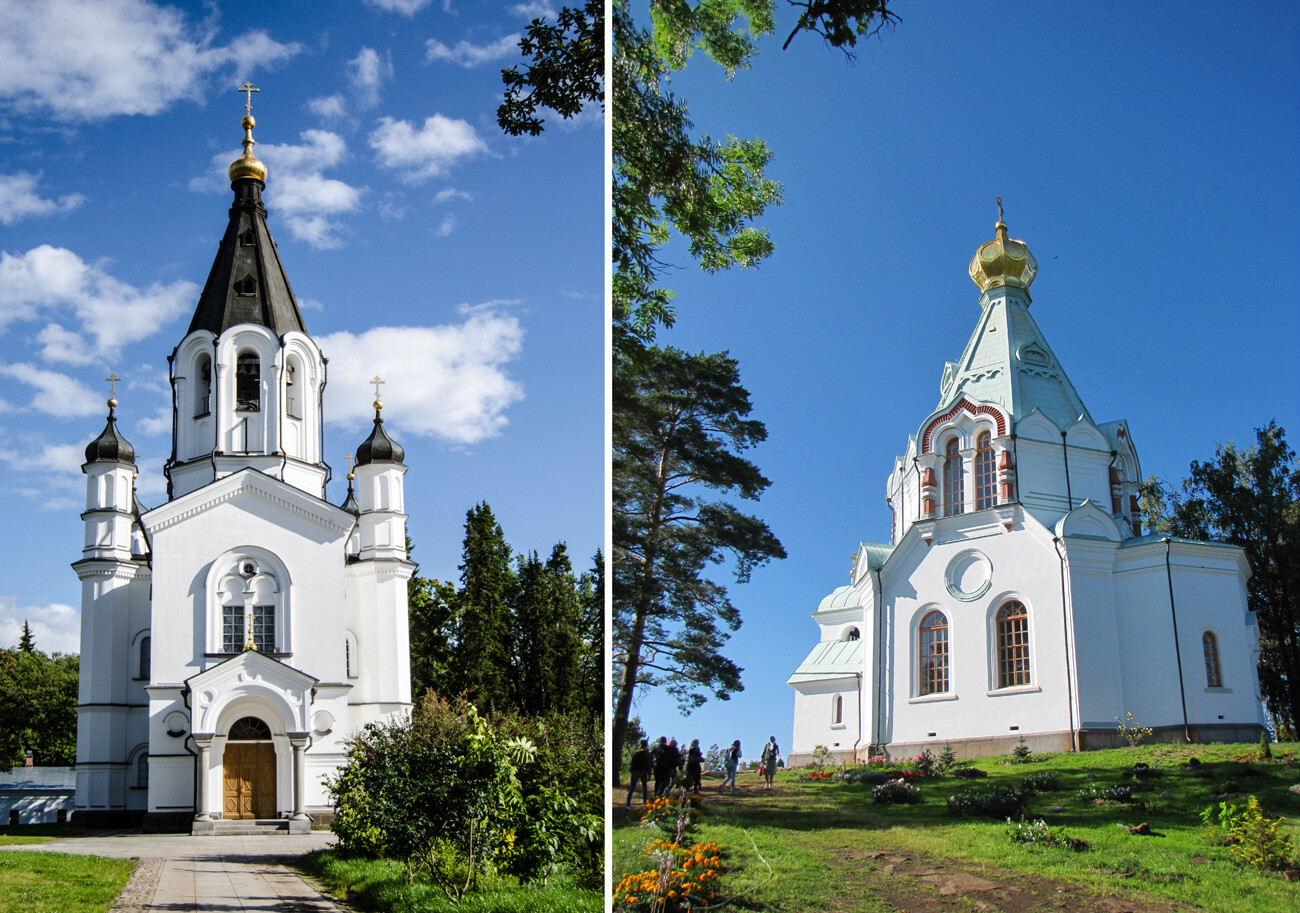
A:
(482, 651)
(592, 660)
(565, 648)
(533, 614)
(432, 621)
(27, 643)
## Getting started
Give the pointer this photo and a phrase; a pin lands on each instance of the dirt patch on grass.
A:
(917, 885)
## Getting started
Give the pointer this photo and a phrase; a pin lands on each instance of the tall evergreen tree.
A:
(432, 622)
(533, 619)
(566, 646)
(592, 660)
(482, 645)
(27, 643)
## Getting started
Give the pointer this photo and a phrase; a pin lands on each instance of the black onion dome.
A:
(350, 503)
(379, 447)
(110, 446)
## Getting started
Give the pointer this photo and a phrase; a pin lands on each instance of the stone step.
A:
(249, 827)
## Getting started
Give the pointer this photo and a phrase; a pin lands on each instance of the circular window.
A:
(969, 575)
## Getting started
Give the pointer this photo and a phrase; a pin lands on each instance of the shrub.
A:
(821, 757)
(1037, 833)
(1043, 781)
(1021, 753)
(1130, 732)
(997, 803)
(926, 764)
(947, 758)
(968, 773)
(857, 775)
(897, 791)
(1265, 751)
(1140, 771)
(1256, 842)
(1096, 791)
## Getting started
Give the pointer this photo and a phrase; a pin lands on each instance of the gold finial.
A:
(999, 199)
(352, 464)
(376, 381)
(248, 89)
(247, 165)
(249, 644)
(112, 389)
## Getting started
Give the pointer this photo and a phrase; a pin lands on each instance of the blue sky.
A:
(395, 201)
(1146, 153)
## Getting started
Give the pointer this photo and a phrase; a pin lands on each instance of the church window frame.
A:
(1213, 668)
(837, 711)
(249, 591)
(933, 654)
(351, 658)
(202, 385)
(954, 481)
(142, 770)
(248, 381)
(986, 474)
(146, 658)
(1013, 652)
(294, 387)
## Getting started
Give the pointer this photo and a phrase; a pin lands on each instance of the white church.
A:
(234, 636)
(1017, 596)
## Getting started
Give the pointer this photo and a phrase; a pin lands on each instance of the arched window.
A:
(142, 770)
(954, 493)
(934, 653)
(293, 389)
(248, 383)
(851, 634)
(1013, 645)
(249, 608)
(837, 711)
(146, 661)
(986, 485)
(202, 386)
(1210, 645)
(249, 729)
(350, 653)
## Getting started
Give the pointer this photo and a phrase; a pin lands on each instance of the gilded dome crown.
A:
(248, 165)
(1003, 261)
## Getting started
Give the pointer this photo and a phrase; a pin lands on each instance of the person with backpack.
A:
(732, 763)
(640, 771)
(694, 766)
(665, 763)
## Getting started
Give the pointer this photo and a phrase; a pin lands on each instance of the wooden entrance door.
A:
(249, 780)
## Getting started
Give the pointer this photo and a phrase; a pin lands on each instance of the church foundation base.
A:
(97, 819)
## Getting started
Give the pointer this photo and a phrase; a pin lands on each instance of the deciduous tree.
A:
(1250, 498)
(38, 707)
(680, 427)
(567, 69)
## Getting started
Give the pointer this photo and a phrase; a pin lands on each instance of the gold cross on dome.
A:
(376, 381)
(352, 461)
(248, 90)
(112, 383)
(999, 199)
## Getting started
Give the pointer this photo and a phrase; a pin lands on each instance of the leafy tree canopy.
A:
(567, 69)
(38, 707)
(1250, 498)
(680, 428)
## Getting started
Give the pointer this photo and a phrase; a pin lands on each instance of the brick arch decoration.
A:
(972, 409)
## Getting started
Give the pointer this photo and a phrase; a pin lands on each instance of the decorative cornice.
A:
(87, 568)
(251, 481)
(964, 405)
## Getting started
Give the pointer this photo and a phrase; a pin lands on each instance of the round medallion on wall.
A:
(969, 575)
(177, 724)
(323, 722)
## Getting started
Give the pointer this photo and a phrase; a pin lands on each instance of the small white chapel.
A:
(1017, 596)
(234, 636)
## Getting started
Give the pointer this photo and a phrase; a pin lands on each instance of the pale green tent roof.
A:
(830, 659)
(1007, 361)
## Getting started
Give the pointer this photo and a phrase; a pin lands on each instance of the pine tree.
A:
(482, 653)
(533, 618)
(27, 643)
(565, 648)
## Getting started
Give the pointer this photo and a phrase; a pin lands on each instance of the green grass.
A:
(381, 885)
(811, 845)
(14, 835)
(36, 882)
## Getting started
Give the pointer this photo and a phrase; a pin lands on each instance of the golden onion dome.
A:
(248, 165)
(1003, 261)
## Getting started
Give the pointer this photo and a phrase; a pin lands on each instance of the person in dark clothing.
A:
(640, 771)
(663, 766)
(694, 766)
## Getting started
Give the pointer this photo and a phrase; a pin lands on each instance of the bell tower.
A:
(247, 381)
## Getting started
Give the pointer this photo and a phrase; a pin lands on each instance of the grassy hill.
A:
(823, 844)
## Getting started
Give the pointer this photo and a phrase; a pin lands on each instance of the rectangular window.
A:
(232, 628)
(264, 628)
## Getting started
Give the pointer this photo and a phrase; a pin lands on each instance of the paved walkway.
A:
(180, 874)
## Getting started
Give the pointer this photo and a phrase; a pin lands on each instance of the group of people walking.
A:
(665, 761)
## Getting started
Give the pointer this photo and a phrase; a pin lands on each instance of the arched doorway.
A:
(248, 771)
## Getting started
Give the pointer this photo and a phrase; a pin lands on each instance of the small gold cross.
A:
(352, 462)
(376, 382)
(999, 199)
(248, 90)
(112, 383)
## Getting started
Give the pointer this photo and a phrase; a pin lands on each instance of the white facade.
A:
(236, 635)
(1017, 596)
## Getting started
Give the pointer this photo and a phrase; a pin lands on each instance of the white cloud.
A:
(424, 152)
(296, 189)
(451, 193)
(56, 628)
(330, 107)
(158, 423)
(472, 55)
(447, 227)
(56, 394)
(445, 381)
(367, 72)
(110, 313)
(21, 199)
(405, 7)
(534, 9)
(93, 59)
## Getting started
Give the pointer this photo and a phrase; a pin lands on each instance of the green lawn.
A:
(37, 882)
(381, 885)
(819, 845)
(13, 835)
